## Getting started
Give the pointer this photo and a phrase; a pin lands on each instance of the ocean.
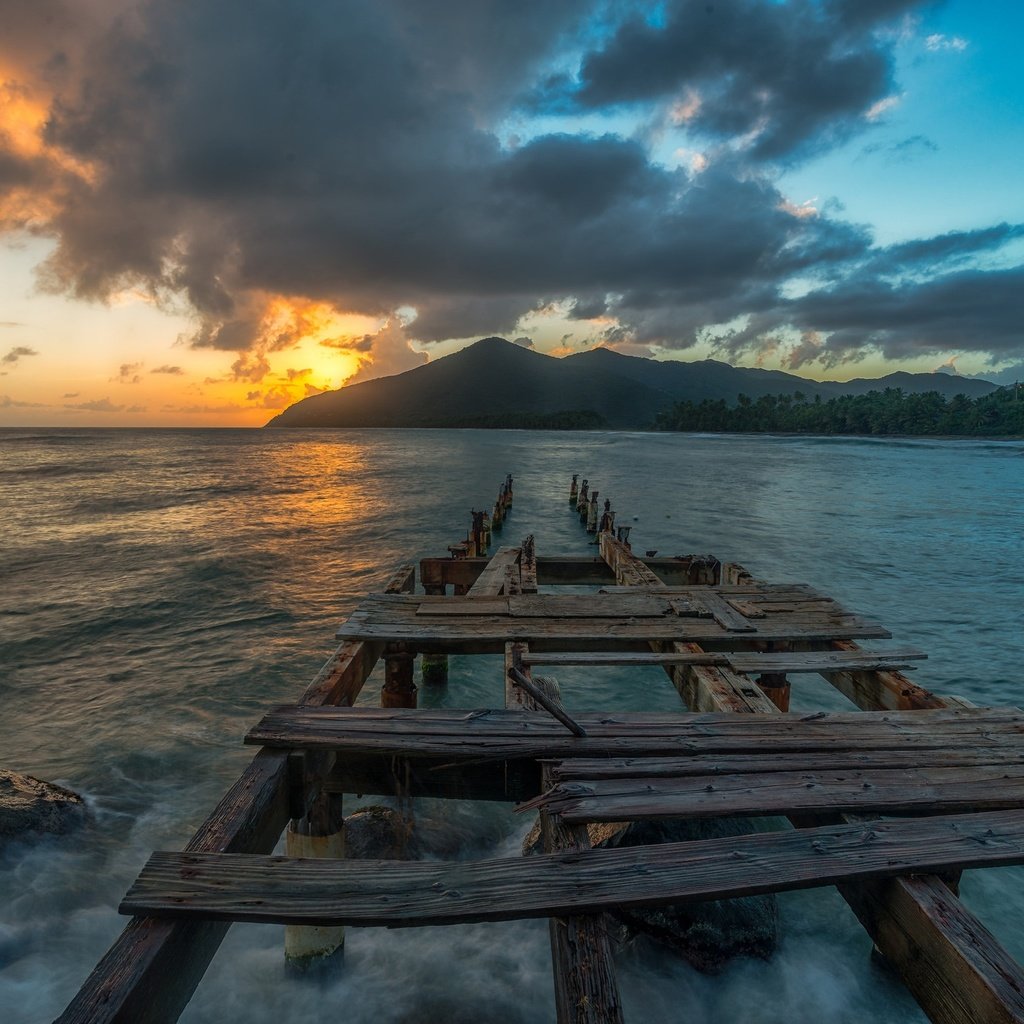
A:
(161, 588)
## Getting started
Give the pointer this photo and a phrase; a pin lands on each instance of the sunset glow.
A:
(198, 227)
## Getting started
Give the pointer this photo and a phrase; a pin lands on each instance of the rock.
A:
(30, 805)
(378, 833)
(708, 934)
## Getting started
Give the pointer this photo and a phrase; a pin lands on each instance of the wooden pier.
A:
(889, 801)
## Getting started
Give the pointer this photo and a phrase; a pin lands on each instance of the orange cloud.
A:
(33, 198)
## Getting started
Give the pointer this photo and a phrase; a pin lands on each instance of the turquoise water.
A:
(161, 588)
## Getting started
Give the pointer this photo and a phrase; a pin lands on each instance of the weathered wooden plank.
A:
(725, 614)
(463, 607)
(400, 894)
(897, 757)
(494, 734)
(744, 661)
(487, 633)
(918, 790)
(755, 591)
(492, 579)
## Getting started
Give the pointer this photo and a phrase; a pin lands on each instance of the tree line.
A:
(997, 414)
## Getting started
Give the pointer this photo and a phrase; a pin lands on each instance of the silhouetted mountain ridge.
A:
(497, 383)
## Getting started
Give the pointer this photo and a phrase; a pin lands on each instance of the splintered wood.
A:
(948, 776)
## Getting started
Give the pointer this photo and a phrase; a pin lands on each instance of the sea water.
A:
(160, 589)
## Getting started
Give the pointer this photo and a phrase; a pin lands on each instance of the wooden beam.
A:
(629, 571)
(401, 894)
(879, 689)
(956, 968)
(586, 990)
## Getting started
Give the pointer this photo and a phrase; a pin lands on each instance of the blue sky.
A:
(209, 210)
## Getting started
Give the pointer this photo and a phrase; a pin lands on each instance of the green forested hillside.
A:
(998, 414)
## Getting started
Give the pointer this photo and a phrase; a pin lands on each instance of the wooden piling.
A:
(586, 989)
(318, 835)
(398, 691)
(582, 498)
(434, 670)
(574, 489)
(592, 513)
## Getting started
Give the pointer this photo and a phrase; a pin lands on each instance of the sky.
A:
(210, 209)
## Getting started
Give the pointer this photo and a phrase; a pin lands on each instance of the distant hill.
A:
(497, 383)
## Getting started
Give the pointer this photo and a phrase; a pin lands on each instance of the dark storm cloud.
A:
(924, 253)
(800, 73)
(969, 309)
(355, 154)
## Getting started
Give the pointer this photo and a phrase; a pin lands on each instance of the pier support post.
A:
(582, 499)
(319, 835)
(574, 489)
(478, 538)
(434, 669)
(776, 688)
(398, 691)
(592, 513)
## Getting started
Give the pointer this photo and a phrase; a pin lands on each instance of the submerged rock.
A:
(30, 805)
(379, 833)
(707, 934)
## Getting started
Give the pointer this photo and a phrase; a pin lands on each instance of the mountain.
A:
(709, 378)
(947, 384)
(497, 383)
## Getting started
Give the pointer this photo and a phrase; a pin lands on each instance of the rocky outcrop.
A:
(379, 833)
(708, 934)
(29, 805)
